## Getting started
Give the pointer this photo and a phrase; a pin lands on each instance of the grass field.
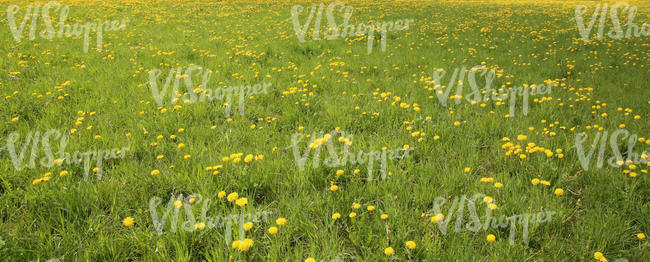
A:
(186, 157)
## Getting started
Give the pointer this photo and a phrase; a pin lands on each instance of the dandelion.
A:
(535, 181)
(178, 204)
(371, 208)
(352, 215)
(437, 218)
(155, 172)
(334, 188)
(490, 238)
(389, 251)
(339, 172)
(559, 191)
(336, 216)
(232, 196)
(128, 221)
(245, 245)
(241, 202)
(281, 221)
(640, 236)
(384, 216)
(248, 226)
(273, 230)
(356, 205)
(410, 244)
(488, 199)
(199, 226)
(599, 256)
(221, 194)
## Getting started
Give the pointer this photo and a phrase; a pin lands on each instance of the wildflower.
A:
(339, 172)
(559, 191)
(245, 245)
(535, 181)
(221, 194)
(493, 206)
(467, 169)
(248, 226)
(498, 185)
(248, 158)
(491, 238)
(356, 205)
(352, 215)
(128, 221)
(178, 204)
(336, 216)
(599, 256)
(521, 137)
(410, 244)
(371, 208)
(640, 236)
(155, 172)
(488, 199)
(437, 218)
(389, 251)
(384, 216)
(199, 226)
(310, 259)
(273, 230)
(241, 202)
(232, 196)
(334, 188)
(281, 221)
(63, 173)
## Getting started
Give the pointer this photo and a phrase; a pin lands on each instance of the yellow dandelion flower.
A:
(128, 221)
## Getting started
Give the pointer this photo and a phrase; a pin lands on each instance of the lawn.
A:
(254, 131)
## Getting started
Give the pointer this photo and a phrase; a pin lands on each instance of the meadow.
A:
(122, 148)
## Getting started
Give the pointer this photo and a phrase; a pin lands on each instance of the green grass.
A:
(317, 85)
